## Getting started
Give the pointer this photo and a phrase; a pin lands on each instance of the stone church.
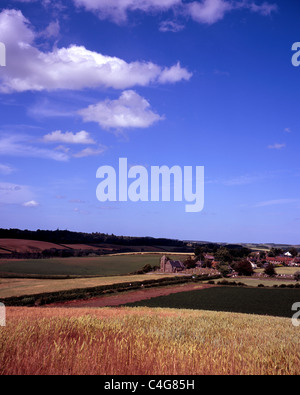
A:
(168, 266)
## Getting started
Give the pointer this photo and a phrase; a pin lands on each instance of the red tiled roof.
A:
(279, 259)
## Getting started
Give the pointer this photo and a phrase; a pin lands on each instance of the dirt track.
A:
(130, 296)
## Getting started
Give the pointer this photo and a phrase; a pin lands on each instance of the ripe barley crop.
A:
(146, 341)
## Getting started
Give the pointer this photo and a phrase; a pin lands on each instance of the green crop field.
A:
(95, 266)
(273, 302)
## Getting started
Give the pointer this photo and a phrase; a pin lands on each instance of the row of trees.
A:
(51, 253)
(68, 237)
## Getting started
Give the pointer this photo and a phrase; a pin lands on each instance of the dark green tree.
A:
(189, 263)
(293, 251)
(244, 268)
(275, 252)
(224, 269)
(270, 270)
(223, 255)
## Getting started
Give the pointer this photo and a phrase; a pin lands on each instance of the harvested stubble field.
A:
(10, 287)
(128, 297)
(130, 341)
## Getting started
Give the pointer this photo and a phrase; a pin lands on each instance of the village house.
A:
(296, 261)
(253, 262)
(209, 261)
(283, 260)
(279, 260)
(209, 257)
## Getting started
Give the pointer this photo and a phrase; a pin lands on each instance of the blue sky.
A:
(170, 82)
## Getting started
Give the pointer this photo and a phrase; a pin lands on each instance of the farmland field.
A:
(216, 330)
(273, 302)
(282, 270)
(97, 266)
(10, 287)
(176, 342)
(20, 245)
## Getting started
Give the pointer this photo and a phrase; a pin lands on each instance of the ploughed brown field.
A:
(130, 296)
(26, 245)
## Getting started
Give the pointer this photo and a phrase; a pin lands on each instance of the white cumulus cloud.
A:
(72, 68)
(208, 11)
(117, 10)
(58, 136)
(31, 203)
(129, 111)
(173, 74)
(201, 11)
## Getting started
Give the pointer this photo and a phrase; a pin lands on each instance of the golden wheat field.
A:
(146, 341)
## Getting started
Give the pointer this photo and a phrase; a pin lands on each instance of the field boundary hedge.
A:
(86, 293)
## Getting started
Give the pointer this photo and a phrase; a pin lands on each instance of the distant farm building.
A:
(169, 266)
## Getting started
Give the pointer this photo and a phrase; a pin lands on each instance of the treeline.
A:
(229, 252)
(51, 253)
(61, 253)
(69, 237)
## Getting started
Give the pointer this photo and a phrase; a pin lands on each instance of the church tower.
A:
(163, 262)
